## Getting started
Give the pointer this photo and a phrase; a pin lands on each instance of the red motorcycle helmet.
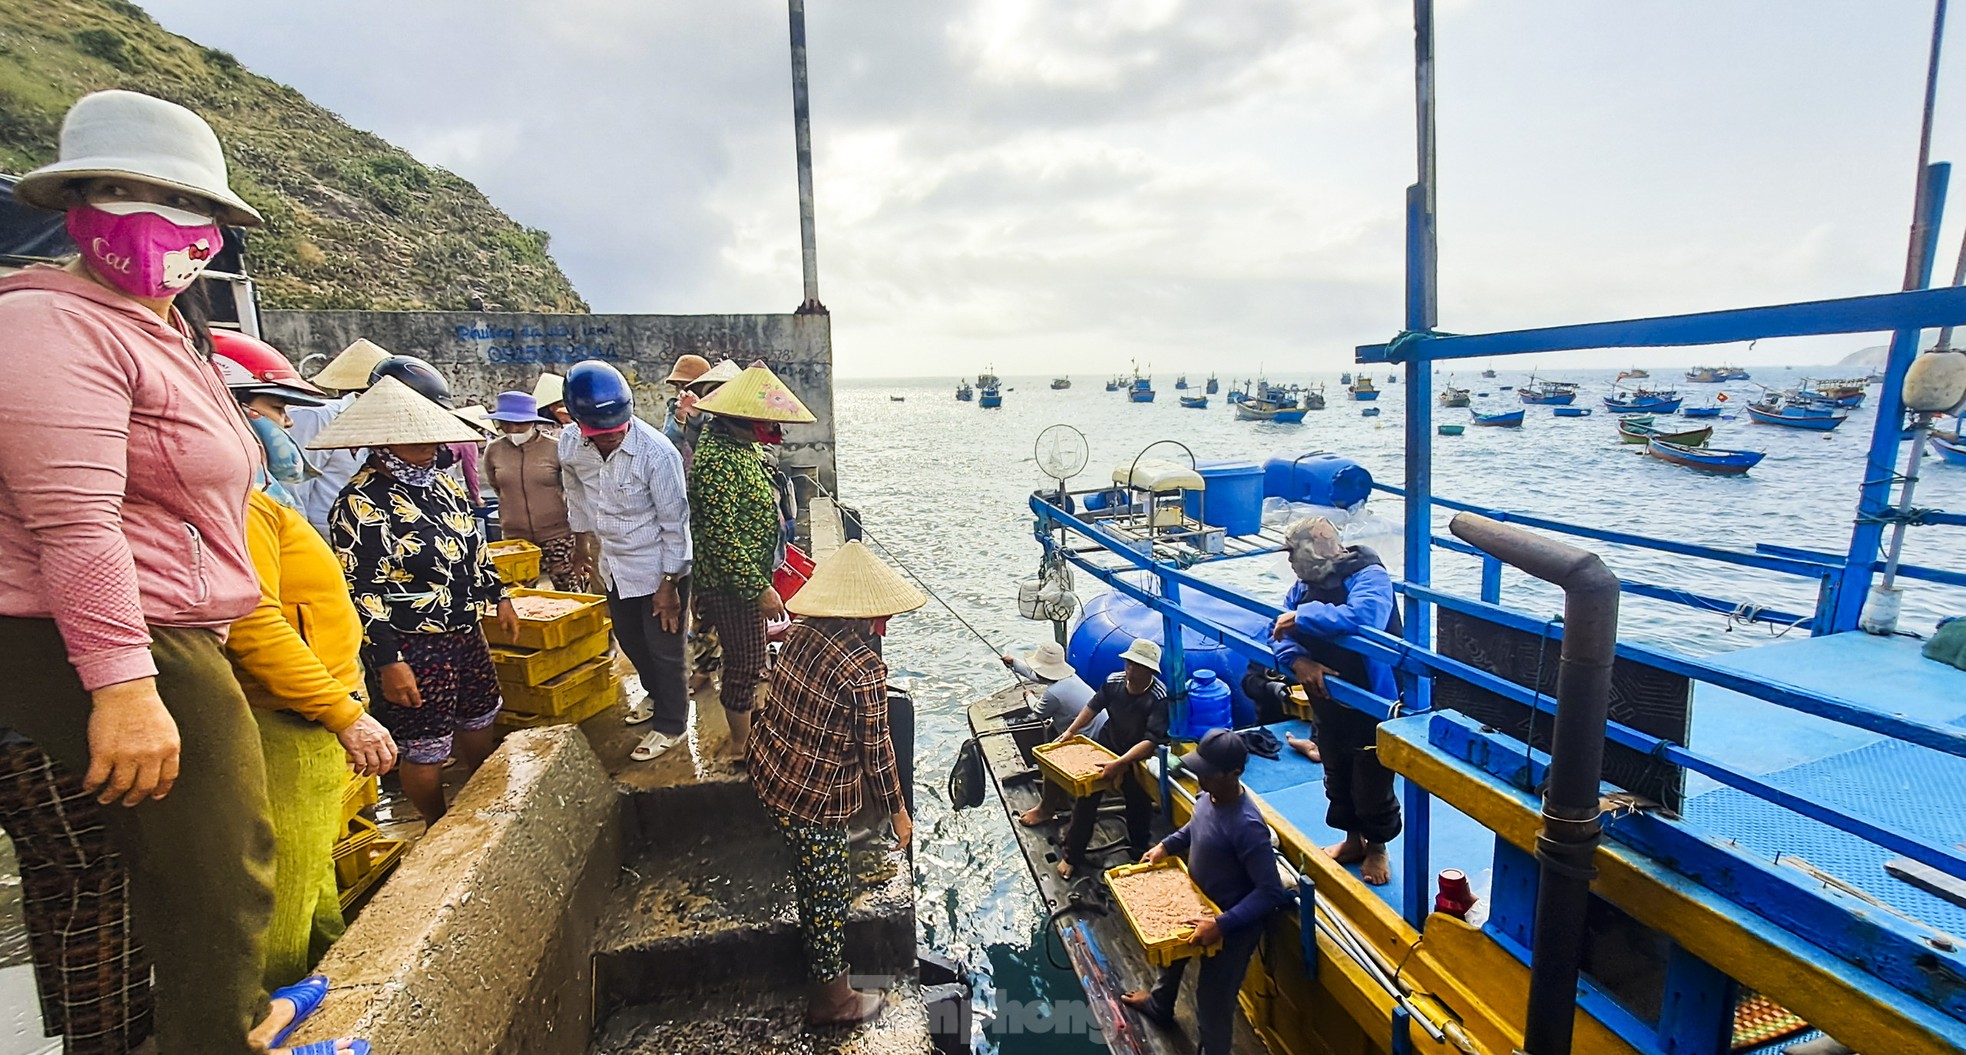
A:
(251, 367)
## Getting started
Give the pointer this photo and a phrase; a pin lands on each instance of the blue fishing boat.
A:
(1848, 393)
(1710, 411)
(1756, 847)
(1369, 412)
(1797, 415)
(1195, 402)
(964, 392)
(1547, 393)
(1707, 460)
(1265, 410)
(1362, 389)
(1213, 385)
(1508, 419)
(1644, 401)
(1450, 430)
(1571, 412)
(1181, 383)
(1113, 385)
(990, 398)
(1951, 449)
(1345, 378)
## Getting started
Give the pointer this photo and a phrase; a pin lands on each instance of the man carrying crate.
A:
(1135, 705)
(1229, 856)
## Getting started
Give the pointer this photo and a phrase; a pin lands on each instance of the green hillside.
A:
(352, 221)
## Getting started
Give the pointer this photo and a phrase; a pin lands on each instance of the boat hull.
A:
(1573, 412)
(1701, 412)
(1723, 463)
(1510, 420)
(1548, 399)
(1642, 406)
(1451, 430)
(1367, 394)
(1633, 433)
(1814, 422)
(1140, 397)
(1950, 450)
(1194, 404)
(990, 402)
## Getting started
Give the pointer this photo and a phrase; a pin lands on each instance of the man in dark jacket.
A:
(1341, 589)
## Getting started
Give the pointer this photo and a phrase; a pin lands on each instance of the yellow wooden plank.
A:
(1795, 973)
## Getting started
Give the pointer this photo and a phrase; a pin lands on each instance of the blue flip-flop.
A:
(306, 996)
(327, 1047)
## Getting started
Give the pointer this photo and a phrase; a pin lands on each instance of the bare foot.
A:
(1349, 852)
(1307, 748)
(1033, 817)
(1142, 1001)
(1064, 869)
(1377, 866)
(858, 1007)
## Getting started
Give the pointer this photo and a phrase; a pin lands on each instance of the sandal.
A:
(327, 1047)
(642, 711)
(654, 744)
(305, 996)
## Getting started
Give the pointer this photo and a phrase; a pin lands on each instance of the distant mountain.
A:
(352, 221)
(1874, 356)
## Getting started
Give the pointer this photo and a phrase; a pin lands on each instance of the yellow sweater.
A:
(298, 650)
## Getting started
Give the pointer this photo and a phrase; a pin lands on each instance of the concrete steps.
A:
(769, 1022)
(707, 904)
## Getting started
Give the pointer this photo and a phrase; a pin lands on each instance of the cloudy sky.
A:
(1199, 184)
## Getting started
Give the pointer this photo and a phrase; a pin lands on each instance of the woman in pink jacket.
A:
(124, 469)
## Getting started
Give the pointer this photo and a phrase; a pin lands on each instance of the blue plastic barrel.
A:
(1317, 478)
(1209, 706)
(1232, 497)
(1113, 621)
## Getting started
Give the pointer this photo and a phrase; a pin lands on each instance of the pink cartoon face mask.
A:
(144, 249)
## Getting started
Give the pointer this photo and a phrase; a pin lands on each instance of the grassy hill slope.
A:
(352, 222)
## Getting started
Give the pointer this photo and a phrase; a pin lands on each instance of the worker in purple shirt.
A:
(1229, 856)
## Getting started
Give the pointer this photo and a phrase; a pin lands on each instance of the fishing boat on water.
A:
(989, 379)
(1644, 401)
(1451, 396)
(1114, 384)
(1265, 410)
(1949, 446)
(1547, 393)
(1362, 389)
(1706, 460)
(1713, 375)
(1181, 383)
(1060, 383)
(1488, 373)
(1450, 430)
(989, 397)
(1711, 410)
(1571, 412)
(1141, 390)
(1213, 386)
(1848, 393)
(1345, 378)
(1631, 431)
(1194, 402)
(1508, 419)
(1775, 409)
(1369, 412)
(1312, 398)
(1633, 374)
(964, 392)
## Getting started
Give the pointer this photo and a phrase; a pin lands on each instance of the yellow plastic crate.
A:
(1079, 787)
(601, 699)
(537, 666)
(362, 858)
(357, 795)
(1298, 704)
(1161, 949)
(592, 615)
(516, 559)
(558, 696)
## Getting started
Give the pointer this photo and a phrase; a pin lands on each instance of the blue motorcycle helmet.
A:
(598, 398)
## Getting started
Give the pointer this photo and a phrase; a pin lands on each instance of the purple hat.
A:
(519, 407)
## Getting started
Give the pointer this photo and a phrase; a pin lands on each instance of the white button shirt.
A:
(636, 501)
(337, 467)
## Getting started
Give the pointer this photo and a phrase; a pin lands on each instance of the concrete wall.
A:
(485, 353)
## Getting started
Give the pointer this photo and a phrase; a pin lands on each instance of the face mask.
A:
(519, 438)
(414, 475)
(145, 250)
(766, 433)
(284, 462)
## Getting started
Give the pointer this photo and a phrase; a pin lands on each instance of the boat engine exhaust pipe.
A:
(1571, 829)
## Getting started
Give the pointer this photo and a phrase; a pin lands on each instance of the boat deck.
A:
(1913, 790)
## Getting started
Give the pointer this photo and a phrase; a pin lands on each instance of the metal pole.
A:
(802, 137)
(1913, 280)
(1422, 314)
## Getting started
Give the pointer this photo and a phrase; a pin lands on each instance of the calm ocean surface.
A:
(943, 485)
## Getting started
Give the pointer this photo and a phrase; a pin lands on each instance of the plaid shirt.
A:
(821, 734)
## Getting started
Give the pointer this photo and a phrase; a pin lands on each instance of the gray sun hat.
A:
(138, 137)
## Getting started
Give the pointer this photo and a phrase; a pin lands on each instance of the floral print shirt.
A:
(414, 558)
(733, 517)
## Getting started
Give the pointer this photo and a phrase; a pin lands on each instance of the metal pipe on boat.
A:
(1571, 829)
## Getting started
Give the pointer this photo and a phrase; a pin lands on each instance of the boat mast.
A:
(802, 139)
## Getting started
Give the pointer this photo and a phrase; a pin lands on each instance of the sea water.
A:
(944, 485)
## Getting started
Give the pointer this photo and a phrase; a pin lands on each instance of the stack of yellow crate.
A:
(517, 561)
(362, 856)
(556, 670)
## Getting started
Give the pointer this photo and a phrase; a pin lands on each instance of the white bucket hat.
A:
(393, 413)
(139, 137)
(1143, 652)
(1048, 661)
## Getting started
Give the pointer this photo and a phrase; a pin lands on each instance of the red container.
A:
(792, 574)
(1455, 897)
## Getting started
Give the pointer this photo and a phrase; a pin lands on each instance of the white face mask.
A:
(519, 438)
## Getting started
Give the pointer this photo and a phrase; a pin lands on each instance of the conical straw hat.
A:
(549, 389)
(392, 413)
(855, 584)
(476, 414)
(722, 373)
(756, 395)
(350, 370)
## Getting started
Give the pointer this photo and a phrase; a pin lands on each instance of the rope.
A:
(1529, 738)
(996, 653)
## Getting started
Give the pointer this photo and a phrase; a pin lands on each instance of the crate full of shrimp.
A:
(1161, 903)
(1075, 765)
(516, 559)
(550, 619)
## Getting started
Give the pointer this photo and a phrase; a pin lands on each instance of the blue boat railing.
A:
(1417, 663)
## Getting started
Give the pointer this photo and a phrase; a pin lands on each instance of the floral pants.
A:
(556, 563)
(822, 874)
